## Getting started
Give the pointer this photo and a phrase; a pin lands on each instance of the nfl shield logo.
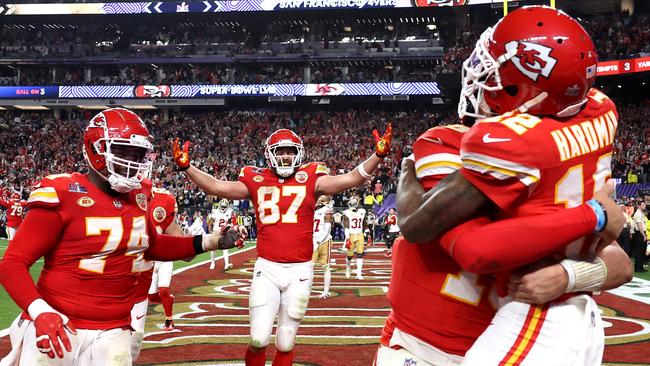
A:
(117, 204)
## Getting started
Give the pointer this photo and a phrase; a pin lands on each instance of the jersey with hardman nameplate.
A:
(431, 297)
(162, 210)
(284, 209)
(91, 274)
(531, 165)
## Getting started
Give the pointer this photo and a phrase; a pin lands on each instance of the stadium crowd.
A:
(223, 142)
(168, 74)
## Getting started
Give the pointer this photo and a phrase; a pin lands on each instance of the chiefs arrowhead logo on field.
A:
(532, 59)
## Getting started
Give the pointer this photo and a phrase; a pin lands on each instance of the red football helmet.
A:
(536, 59)
(117, 145)
(15, 194)
(283, 138)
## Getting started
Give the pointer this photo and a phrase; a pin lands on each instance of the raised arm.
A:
(333, 184)
(207, 183)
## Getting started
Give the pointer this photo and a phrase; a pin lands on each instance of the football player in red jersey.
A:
(549, 149)
(15, 210)
(425, 277)
(284, 196)
(153, 285)
(94, 233)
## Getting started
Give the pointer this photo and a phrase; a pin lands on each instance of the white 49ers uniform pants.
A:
(162, 276)
(278, 289)
(89, 347)
(567, 333)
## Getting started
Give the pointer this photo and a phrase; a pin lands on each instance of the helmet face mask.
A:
(353, 202)
(284, 152)
(323, 200)
(536, 59)
(117, 147)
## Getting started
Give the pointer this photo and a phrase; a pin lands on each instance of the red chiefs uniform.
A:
(284, 211)
(431, 297)
(161, 211)
(555, 163)
(15, 208)
(99, 255)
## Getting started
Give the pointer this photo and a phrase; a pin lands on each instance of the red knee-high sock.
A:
(283, 358)
(154, 298)
(167, 301)
(255, 358)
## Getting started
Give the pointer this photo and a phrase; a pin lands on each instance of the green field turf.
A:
(9, 310)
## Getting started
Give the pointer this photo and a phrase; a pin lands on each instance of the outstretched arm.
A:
(203, 180)
(482, 246)
(424, 216)
(333, 184)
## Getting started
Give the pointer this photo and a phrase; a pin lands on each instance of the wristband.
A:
(585, 275)
(363, 172)
(198, 243)
(601, 214)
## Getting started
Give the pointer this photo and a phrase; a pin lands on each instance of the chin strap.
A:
(533, 102)
(122, 185)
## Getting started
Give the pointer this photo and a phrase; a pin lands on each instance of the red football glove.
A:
(181, 156)
(382, 144)
(50, 327)
(348, 244)
(369, 243)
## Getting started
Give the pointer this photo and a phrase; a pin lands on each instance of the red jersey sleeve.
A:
(436, 153)
(163, 205)
(481, 246)
(246, 175)
(320, 168)
(499, 162)
(38, 235)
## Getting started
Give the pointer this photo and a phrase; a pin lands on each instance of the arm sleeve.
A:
(38, 234)
(481, 246)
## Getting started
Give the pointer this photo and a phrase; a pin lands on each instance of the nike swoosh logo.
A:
(140, 317)
(303, 279)
(437, 140)
(488, 140)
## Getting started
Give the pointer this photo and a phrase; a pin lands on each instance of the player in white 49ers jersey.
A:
(217, 219)
(284, 196)
(354, 221)
(323, 240)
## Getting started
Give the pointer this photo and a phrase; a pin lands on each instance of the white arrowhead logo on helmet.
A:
(531, 59)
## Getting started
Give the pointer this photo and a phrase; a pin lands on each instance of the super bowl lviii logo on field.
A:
(152, 91)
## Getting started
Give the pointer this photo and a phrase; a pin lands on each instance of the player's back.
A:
(91, 274)
(284, 211)
(557, 163)
(432, 298)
